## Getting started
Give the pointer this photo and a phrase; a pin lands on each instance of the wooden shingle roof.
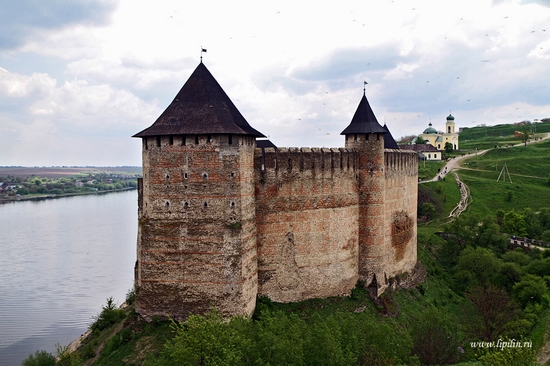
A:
(364, 120)
(200, 107)
(389, 141)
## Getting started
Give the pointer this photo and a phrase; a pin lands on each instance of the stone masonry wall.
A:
(307, 214)
(401, 179)
(197, 227)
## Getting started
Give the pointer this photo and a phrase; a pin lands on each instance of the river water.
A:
(60, 259)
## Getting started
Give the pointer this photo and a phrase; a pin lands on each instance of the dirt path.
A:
(465, 199)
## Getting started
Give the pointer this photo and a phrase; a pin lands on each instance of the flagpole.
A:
(202, 50)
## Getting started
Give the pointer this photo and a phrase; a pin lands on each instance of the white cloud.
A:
(294, 70)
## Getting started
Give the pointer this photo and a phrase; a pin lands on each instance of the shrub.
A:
(40, 358)
(109, 315)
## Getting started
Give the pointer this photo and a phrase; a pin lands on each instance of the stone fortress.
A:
(222, 222)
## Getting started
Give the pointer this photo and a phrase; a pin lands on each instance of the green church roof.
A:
(450, 117)
(430, 130)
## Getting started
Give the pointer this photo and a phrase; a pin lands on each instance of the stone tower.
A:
(197, 222)
(366, 136)
(450, 124)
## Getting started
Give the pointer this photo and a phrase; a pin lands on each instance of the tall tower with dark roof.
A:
(197, 222)
(365, 135)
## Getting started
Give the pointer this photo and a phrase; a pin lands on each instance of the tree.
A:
(420, 140)
(448, 147)
(435, 338)
(531, 289)
(494, 310)
(476, 267)
(514, 224)
(524, 136)
(40, 358)
(202, 340)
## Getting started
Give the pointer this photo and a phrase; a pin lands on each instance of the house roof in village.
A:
(364, 120)
(200, 107)
(419, 147)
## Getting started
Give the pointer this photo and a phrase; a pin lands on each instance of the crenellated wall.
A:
(306, 212)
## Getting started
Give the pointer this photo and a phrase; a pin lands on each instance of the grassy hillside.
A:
(500, 135)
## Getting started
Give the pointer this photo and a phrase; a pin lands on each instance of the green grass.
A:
(500, 135)
(428, 169)
(529, 169)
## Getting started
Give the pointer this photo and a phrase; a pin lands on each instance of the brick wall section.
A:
(401, 195)
(371, 195)
(197, 227)
(307, 212)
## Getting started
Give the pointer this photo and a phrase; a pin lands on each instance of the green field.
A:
(500, 135)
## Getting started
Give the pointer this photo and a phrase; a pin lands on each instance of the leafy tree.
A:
(494, 311)
(508, 356)
(514, 224)
(435, 338)
(202, 340)
(508, 275)
(531, 289)
(426, 210)
(40, 358)
(448, 147)
(420, 140)
(476, 267)
(110, 314)
(516, 256)
(525, 135)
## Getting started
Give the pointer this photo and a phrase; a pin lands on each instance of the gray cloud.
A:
(20, 19)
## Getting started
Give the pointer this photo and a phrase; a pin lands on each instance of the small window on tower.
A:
(183, 140)
(145, 147)
(230, 139)
(196, 139)
(233, 204)
(185, 175)
(171, 140)
(158, 141)
(232, 174)
(205, 176)
(186, 205)
(205, 204)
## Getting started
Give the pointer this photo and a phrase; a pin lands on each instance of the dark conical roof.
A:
(389, 141)
(364, 120)
(200, 107)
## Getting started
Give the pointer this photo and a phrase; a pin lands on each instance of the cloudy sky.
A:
(79, 77)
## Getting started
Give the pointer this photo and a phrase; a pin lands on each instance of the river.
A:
(60, 259)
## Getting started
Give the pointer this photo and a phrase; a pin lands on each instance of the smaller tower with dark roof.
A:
(365, 135)
(197, 223)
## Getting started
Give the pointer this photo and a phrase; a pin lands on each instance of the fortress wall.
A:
(307, 212)
(401, 173)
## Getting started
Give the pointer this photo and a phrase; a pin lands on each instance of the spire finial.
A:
(202, 50)
(364, 87)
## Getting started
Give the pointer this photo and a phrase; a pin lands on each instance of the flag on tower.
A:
(203, 49)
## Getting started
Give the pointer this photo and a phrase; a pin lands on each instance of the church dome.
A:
(450, 117)
(430, 130)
